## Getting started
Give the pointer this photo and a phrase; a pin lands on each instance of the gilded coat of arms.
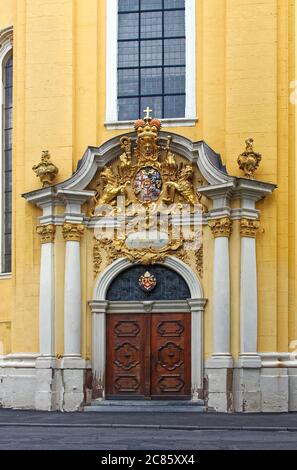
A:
(147, 173)
(147, 282)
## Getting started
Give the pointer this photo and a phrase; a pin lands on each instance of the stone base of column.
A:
(292, 374)
(45, 383)
(60, 383)
(274, 385)
(218, 382)
(246, 383)
(73, 374)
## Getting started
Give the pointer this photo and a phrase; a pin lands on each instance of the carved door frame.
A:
(100, 308)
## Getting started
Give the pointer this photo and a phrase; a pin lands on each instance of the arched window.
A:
(7, 164)
(6, 73)
(169, 285)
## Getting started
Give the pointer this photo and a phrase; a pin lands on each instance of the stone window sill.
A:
(5, 276)
(178, 122)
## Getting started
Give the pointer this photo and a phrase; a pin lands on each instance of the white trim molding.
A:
(111, 116)
(5, 48)
(111, 272)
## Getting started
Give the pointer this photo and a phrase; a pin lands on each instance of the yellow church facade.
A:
(171, 106)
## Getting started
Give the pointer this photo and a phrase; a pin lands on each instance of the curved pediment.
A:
(199, 154)
(209, 162)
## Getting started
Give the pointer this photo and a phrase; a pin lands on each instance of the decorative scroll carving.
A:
(126, 383)
(170, 328)
(127, 356)
(249, 227)
(146, 256)
(221, 227)
(73, 232)
(47, 233)
(46, 170)
(249, 160)
(97, 258)
(171, 383)
(170, 356)
(199, 261)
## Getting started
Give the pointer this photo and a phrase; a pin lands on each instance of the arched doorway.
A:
(148, 351)
(148, 343)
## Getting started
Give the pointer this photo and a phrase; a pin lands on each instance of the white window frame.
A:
(5, 49)
(112, 121)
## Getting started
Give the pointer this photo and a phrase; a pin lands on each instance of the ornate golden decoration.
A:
(249, 227)
(97, 258)
(47, 233)
(221, 227)
(149, 156)
(146, 256)
(146, 174)
(249, 160)
(199, 261)
(73, 232)
(46, 170)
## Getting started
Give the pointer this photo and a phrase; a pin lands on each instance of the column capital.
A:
(73, 232)
(47, 233)
(249, 227)
(221, 227)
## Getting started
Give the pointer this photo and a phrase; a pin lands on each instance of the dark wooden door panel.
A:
(171, 356)
(148, 356)
(125, 356)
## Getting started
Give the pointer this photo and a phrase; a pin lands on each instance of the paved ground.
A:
(25, 430)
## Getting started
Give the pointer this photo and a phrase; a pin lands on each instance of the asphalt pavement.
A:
(34, 430)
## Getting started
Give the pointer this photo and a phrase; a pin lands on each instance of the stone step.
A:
(145, 406)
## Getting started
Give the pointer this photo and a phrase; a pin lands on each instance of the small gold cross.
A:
(147, 111)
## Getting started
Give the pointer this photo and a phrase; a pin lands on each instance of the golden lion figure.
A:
(111, 187)
(184, 185)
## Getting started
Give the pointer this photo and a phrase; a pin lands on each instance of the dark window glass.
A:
(7, 165)
(128, 5)
(151, 58)
(151, 4)
(128, 108)
(174, 4)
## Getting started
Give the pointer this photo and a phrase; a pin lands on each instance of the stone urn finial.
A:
(46, 170)
(249, 160)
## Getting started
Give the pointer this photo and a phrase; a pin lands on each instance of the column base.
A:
(60, 383)
(218, 382)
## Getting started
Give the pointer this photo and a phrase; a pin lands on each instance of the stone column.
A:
(47, 291)
(246, 388)
(72, 290)
(219, 366)
(99, 308)
(197, 310)
(221, 229)
(248, 288)
(46, 361)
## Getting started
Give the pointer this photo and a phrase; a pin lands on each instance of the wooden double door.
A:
(148, 356)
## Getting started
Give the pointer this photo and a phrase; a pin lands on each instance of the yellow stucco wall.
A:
(245, 62)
